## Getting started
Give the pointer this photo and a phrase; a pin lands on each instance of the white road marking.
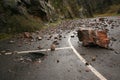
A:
(100, 76)
(42, 50)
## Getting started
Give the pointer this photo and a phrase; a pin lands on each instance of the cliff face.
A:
(82, 8)
(24, 15)
(29, 15)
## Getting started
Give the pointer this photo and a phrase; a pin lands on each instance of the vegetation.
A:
(112, 11)
(18, 16)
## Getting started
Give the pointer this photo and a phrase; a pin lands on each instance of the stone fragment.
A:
(27, 35)
(53, 46)
(58, 61)
(87, 70)
(93, 58)
(39, 38)
(11, 41)
(72, 35)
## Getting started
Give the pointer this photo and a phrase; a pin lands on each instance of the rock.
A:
(50, 36)
(14, 52)
(39, 47)
(56, 42)
(55, 37)
(11, 42)
(86, 63)
(9, 70)
(38, 61)
(60, 36)
(60, 39)
(72, 35)
(93, 58)
(90, 36)
(101, 19)
(39, 38)
(58, 61)
(116, 52)
(87, 70)
(7, 50)
(32, 40)
(21, 59)
(64, 37)
(3, 52)
(53, 46)
(27, 35)
(113, 39)
(19, 45)
(68, 70)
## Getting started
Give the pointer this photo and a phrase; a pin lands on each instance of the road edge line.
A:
(100, 76)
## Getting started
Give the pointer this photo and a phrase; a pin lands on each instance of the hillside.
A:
(29, 15)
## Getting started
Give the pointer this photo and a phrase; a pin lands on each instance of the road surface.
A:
(69, 61)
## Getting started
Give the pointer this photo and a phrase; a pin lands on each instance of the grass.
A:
(17, 24)
(4, 36)
(111, 12)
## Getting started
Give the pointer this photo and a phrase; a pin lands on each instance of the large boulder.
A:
(90, 36)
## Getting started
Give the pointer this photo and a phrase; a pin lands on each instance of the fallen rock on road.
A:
(53, 46)
(90, 36)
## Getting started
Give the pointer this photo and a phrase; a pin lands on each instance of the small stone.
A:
(3, 52)
(87, 70)
(39, 61)
(39, 38)
(14, 52)
(53, 47)
(111, 49)
(56, 42)
(60, 36)
(32, 40)
(11, 42)
(58, 61)
(19, 45)
(60, 39)
(50, 36)
(93, 58)
(79, 71)
(26, 42)
(55, 37)
(7, 50)
(39, 47)
(116, 52)
(86, 63)
(75, 33)
(21, 59)
(72, 35)
(27, 35)
(9, 70)
(68, 70)
(113, 39)
(48, 39)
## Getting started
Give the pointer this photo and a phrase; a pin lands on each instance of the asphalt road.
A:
(70, 60)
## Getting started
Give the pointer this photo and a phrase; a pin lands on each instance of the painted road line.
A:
(42, 50)
(100, 76)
